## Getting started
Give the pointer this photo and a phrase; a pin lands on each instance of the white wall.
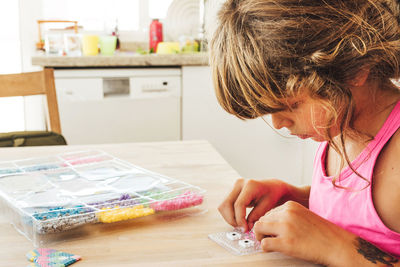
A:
(211, 10)
(30, 11)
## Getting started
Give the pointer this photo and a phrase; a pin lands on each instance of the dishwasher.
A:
(119, 105)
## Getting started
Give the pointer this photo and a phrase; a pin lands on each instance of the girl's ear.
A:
(360, 78)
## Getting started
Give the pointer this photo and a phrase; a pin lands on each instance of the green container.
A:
(108, 45)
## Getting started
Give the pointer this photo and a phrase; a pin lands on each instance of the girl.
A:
(322, 69)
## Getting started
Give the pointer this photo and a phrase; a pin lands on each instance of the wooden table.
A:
(157, 240)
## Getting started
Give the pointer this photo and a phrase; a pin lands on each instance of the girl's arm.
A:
(296, 231)
(297, 194)
(370, 255)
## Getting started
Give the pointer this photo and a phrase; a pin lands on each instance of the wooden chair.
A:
(34, 83)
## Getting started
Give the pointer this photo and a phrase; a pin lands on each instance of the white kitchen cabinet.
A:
(119, 105)
(252, 147)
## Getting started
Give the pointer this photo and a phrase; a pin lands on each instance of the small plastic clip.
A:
(233, 235)
(246, 243)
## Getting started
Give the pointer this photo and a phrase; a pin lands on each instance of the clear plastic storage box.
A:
(53, 198)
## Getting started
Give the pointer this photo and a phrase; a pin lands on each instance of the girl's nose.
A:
(279, 121)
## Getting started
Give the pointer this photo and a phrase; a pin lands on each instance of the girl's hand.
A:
(296, 231)
(262, 195)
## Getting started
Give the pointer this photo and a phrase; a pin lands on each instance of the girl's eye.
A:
(295, 105)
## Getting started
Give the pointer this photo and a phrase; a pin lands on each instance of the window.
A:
(158, 8)
(11, 108)
(101, 15)
(10, 49)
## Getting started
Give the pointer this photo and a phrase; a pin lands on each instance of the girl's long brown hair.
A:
(264, 51)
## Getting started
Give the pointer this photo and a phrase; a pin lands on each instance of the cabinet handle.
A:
(154, 90)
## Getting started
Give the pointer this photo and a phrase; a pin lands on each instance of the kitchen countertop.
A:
(121, 59)
(160, 239)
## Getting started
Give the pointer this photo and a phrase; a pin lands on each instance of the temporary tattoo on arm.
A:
(372, 253)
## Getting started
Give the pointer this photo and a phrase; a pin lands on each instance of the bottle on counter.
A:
(156, 35)
(116, 34)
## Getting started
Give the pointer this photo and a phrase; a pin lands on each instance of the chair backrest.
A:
(34, 83)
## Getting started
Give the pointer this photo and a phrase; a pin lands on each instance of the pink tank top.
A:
(354, 209)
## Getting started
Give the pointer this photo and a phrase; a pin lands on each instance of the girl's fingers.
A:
(237, 188)
(227, 212)
(240, 211)
(259, 210)
(246, 196)
(271, 244)
(227, 207)
(264, 229)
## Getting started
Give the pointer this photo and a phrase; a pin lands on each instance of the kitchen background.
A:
(187, 110)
